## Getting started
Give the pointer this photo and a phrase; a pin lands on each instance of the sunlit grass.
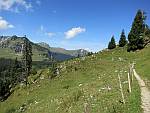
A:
(92, 80)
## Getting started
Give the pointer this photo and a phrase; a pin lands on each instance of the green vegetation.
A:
(10, 75)
(11, 47)
(92, 80)
(122, 41)
(143, 65)
(136, 35)
(112, 43)
(14, 72)
(76, 85)
(147, 35)
(26, 59)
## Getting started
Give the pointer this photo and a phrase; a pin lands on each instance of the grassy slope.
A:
(8, 53)
(143, 64)
(84, 81)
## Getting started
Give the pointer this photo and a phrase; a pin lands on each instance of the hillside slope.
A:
(88, 83)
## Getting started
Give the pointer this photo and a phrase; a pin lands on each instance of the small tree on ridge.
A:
(112, 43)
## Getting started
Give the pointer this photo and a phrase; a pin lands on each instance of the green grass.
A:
(83, 81)
(8, 53)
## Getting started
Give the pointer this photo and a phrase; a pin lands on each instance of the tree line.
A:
(138, 37)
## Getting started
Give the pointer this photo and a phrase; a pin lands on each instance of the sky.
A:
(70, 24)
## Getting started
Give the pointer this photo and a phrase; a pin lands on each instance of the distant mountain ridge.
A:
(41, 51)
(80, 52)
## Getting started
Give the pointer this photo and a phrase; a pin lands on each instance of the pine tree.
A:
(147, 35)
(135, 37)
(53, 67)
(27, 59)
(112, 43)
(122, 41)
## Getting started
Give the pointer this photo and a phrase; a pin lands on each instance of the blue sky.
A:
(70, 24)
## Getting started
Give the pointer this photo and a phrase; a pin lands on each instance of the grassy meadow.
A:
(89, 83)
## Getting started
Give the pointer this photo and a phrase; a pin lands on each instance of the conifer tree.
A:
(27, 59)
(112, 43)
(122, 41)
(147, 35)
(135, 37)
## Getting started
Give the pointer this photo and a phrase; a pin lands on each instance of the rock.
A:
(57, 71)
(116, 71)
(42, 77)
(80, 85)
(36, 102)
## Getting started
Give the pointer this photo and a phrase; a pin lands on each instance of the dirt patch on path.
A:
(145, 93)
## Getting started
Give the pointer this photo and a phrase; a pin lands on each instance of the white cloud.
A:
(74, 32)
(4, 24)
(12, 5)
(50, 34)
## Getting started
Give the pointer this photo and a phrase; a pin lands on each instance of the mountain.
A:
(76, 53)
(43, 44)
(11, 47)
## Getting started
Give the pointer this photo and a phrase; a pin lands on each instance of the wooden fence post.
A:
(129, 83)
(123, 100)
(132, 72)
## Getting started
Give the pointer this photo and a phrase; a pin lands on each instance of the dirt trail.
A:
(145, 93)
